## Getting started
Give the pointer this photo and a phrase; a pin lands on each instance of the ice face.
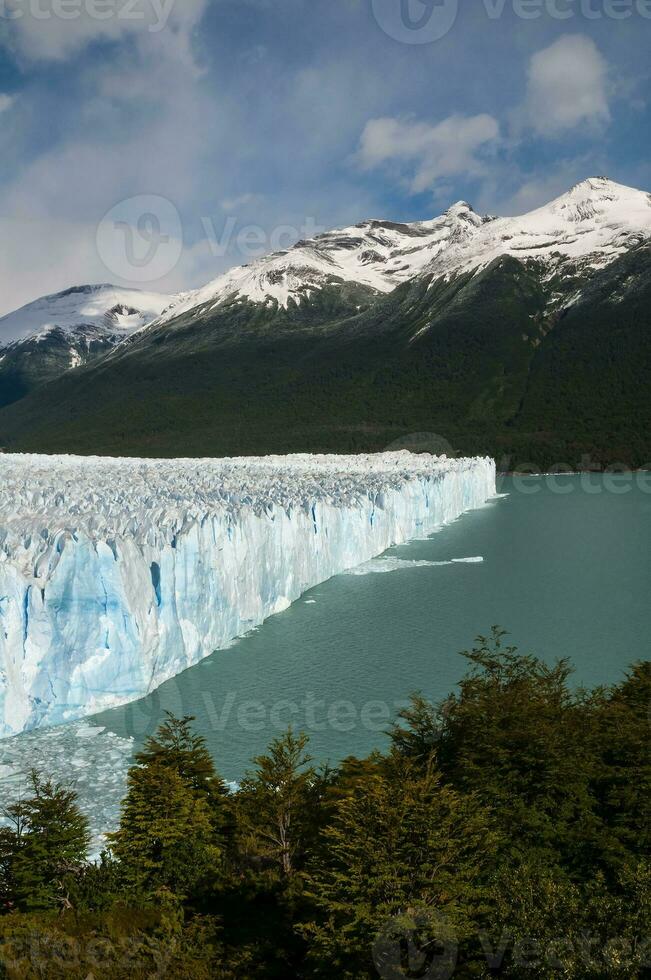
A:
(117, 574)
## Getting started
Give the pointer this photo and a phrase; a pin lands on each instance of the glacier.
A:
(118, 574)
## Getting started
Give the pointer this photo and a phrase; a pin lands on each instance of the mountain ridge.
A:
(579, 224)
(470, 346)
(121, 309)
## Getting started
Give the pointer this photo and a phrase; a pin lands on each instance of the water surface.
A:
(567, 573)
(565, 570)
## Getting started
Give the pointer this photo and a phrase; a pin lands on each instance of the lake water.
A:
(567, 573)
(565, 568)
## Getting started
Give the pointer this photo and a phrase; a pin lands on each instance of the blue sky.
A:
(260, 120)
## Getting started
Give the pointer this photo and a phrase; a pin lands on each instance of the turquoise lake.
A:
(566, 570)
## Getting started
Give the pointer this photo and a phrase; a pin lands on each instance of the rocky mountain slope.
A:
(378, 255)
(526, 337)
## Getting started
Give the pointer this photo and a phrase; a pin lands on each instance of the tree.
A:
(272, 798)
(173, 814)
(8, 848)
(166, 837)
(44, 845)
(543, 924)
(176, 746)
(420, 733)
(623, 784)
(403, 855)
(516, 734)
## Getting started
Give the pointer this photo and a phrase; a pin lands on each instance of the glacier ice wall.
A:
(117, 574)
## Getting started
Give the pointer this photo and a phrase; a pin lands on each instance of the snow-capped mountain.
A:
(108, 309)
(589, 226)
(377, 254)
(526, 336)
(53, 334)
(593, 223)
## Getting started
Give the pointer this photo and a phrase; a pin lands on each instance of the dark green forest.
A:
(492, 363)
(504, 832)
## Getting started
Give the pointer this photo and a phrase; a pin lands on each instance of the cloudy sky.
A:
(157, 142)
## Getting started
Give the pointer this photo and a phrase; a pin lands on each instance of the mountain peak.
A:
(590, 225)
(117, 309)
(461, 207)
(600, 189)
(601, 199)
(598, 183)
(85, 289)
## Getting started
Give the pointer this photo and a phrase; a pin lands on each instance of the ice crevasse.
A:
(117, 574)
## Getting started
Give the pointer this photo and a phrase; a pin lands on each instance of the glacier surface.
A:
(117, 574)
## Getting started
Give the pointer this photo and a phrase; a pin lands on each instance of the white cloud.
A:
(5, 101)
(567, 87)
(53, 204)
(449, 148)
(144, 119)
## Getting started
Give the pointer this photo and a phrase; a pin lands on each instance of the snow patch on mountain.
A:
(589, 226)
(105, 309)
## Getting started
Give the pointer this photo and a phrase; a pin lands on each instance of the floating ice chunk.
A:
(381, 565)
(92, 761)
